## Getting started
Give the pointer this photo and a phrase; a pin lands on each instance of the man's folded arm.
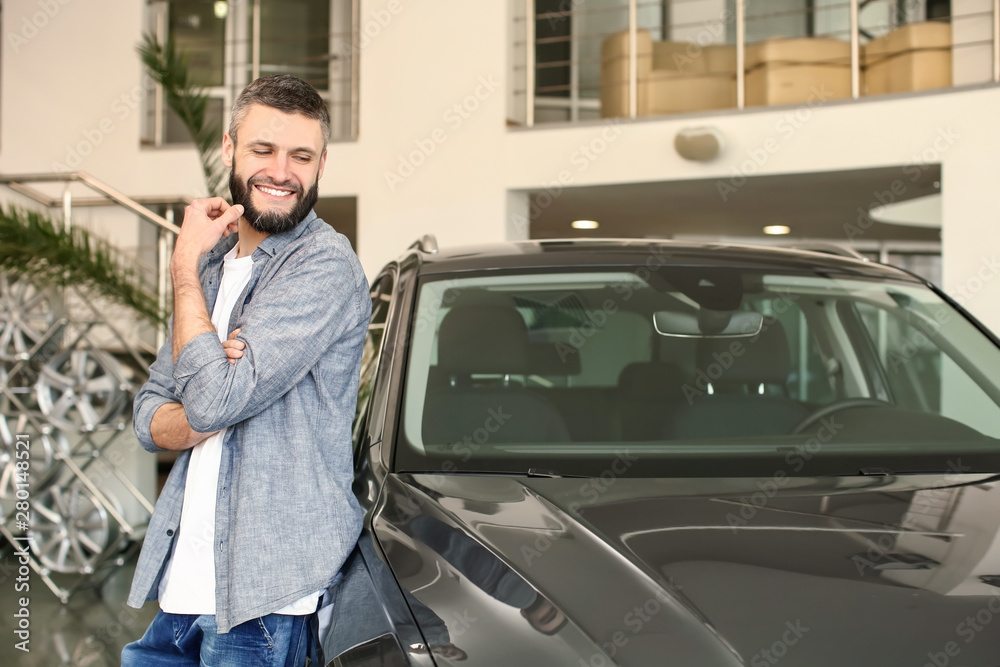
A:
(157, 391)
(287, 326)
(158, 416)
(170, 428)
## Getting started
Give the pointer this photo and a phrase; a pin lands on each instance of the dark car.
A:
(653, 453)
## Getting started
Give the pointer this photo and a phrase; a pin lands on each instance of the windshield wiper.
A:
(885, 472)
(875, 472)
(545, 472)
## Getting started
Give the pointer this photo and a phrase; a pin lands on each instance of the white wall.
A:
(434, 107)
(422, 59)
(74, 89)
(431, 58)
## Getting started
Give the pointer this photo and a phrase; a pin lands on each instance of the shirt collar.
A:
(271, 245)
(274, 243)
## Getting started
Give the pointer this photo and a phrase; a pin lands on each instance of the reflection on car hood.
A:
(857, 570)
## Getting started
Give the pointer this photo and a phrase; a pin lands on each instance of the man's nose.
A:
(277, 169)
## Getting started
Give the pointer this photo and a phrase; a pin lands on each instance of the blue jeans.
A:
(185, 639)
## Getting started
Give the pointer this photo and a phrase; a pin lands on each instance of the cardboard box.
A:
(672, 77)
(671, 93)
(913, 57)
(796, 71)
(614, 73)
(697, 79)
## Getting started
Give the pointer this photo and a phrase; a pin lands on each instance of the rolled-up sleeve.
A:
(156, 392)
(313, 300)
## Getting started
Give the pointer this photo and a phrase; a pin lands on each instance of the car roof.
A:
(556, 253)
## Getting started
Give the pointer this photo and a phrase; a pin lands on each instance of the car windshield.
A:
(694, 370)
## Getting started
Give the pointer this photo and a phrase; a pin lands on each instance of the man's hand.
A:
(205, 222)
(233, 347)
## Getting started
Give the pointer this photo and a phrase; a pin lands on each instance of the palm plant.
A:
(169, 67)
(32, 245)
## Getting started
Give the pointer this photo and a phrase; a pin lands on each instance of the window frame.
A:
(241, 63)
(360, 427)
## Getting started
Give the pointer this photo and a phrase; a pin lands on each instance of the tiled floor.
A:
(90, 631)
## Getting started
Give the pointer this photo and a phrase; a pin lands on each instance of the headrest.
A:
(650, 379)
(483, 339)
(764, 358)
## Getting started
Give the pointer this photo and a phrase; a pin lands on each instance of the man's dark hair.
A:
(283, 92)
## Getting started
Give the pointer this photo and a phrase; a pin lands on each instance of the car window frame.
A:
(388, 381)
(377, 292)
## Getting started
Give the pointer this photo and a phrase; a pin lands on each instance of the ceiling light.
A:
(777, 229)
(221, 9)
(585, 224)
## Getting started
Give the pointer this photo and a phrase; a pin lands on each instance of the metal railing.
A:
(108, 196)
(65, 393)
(570, 80)
(241, 53)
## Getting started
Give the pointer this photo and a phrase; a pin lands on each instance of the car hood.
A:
(806, 571)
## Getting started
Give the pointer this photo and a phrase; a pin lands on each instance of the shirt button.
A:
(170, 532)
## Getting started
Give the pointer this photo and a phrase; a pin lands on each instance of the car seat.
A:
(485, 340)
(740, 389)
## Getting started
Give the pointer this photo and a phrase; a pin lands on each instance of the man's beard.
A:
(272, 222)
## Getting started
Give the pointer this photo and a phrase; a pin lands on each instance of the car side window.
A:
(910, 360)
(922, 374)
(809, 380)
(381, 294)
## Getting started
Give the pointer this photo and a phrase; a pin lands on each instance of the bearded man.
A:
(256, 386)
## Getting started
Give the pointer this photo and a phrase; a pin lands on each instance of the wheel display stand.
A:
(64, 402)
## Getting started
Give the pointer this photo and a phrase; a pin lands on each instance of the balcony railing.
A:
(578, 60)
(229, 44)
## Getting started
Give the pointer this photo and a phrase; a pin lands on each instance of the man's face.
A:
(275, 167)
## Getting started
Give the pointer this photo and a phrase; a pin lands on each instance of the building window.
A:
(228, 44)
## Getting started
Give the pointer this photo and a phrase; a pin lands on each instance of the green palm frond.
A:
(169, 67)
(32, 245)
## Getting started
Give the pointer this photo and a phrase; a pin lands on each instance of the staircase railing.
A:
(65, 399)
(108, 196)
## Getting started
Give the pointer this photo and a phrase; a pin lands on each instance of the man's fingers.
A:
(230, 215)
(212, 206)
(217, 208)
(233, 347)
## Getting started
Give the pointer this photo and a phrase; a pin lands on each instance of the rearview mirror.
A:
(708, 324)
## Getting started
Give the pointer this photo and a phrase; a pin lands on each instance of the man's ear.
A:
(322, 165)
(228, 146)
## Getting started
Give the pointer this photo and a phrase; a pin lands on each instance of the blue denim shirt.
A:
(286, 518)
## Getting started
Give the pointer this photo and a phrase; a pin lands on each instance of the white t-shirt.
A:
(188, 583)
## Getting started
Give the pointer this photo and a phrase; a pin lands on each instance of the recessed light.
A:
(221, 9)
(585, 224)
(777, 229)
